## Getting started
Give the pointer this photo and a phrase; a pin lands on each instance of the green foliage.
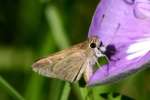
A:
(9, 89)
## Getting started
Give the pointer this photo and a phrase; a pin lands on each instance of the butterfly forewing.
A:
(66, 64)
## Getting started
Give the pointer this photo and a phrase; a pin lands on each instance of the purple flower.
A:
(125, 24)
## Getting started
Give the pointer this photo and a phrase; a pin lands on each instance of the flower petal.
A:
(116, 23)
(142, 9)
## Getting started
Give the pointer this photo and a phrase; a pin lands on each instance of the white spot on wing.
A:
(138, 49)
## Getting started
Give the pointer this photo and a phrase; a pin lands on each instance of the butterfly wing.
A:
(71, 67)
(64, 65)
(128, 33)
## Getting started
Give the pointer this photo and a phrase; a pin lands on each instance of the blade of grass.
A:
(77, 91)
(55, 90)
(34, 87)
(10, 90)
(62, 42)
(65, 92)
(56, 27)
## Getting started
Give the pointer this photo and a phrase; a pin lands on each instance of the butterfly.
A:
(69, 64)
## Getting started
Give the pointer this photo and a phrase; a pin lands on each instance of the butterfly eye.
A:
(93, 45)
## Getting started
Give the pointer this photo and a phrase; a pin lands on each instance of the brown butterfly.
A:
(71, 63)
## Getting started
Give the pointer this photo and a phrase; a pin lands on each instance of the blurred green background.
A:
(30, 29)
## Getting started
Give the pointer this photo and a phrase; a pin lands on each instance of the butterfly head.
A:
(94, 42)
